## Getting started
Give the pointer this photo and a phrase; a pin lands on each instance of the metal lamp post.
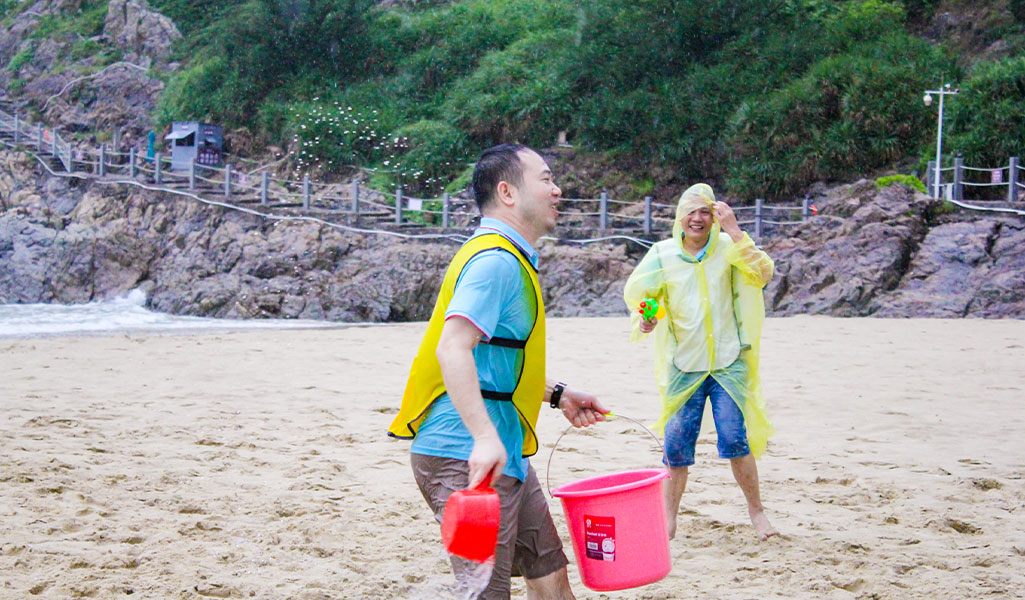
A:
(943, 91)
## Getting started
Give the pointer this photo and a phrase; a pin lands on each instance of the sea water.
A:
(125, 314)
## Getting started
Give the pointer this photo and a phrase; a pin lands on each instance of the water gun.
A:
(650, 308)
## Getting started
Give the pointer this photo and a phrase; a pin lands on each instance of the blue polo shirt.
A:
(496, 296)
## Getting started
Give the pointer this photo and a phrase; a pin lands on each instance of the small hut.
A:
(195, 141)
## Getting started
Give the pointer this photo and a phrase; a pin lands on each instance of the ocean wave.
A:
(127, 313)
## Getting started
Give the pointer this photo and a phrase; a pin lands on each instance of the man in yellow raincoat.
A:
(709, 278)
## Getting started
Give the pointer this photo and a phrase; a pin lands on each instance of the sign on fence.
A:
(996, 176)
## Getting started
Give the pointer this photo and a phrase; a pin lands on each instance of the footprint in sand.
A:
(962, 527)
(985, 484)
(217, 590)
(38, 588)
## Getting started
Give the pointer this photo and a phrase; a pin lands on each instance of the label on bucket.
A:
(600, 537)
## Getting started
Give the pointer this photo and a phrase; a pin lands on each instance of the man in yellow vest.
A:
(478, 381)
(709, 278)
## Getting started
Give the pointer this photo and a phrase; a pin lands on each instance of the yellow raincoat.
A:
(714, 314)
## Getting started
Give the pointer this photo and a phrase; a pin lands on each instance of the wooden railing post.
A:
(446, 204)
(647, 215)
(806, 208)
(306, 192)
(227, 180)
(1012, 180)
(192, 174)
(398, 205)
(603, 211)
(132, 169)
(157, 176)
(355, 198)
(102, 167)
(958, 192)
(264, 186)
(39, 138)
(758, 218)
(17, 130)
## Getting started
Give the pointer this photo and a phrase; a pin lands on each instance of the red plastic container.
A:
(469, 525)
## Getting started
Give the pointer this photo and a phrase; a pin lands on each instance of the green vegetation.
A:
(10, 9)
(19, 59)
(87, 22)
(760, 98)
(908, 180)
(988, 117)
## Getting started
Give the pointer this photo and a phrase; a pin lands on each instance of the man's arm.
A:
(755, 265)
(459, 371)
(580, 408)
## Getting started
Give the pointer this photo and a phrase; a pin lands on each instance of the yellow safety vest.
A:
(425, 384)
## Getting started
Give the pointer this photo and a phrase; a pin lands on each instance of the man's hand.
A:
(580, 408)
(647, 326)
(727, 220)
(487, 460)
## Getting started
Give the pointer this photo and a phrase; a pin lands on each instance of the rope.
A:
(96, 74)
(982, 170)
(988, 208)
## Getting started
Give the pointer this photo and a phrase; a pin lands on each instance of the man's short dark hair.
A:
(496, 164)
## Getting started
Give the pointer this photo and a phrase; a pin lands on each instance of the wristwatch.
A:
(556, 396)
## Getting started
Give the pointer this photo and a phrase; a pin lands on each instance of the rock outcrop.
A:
(89, 95)
(898, 253)
(891, 253)
(136, 28)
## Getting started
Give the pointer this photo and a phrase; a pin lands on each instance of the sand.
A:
(255, 464)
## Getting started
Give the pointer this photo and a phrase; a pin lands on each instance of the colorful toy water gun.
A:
(650, 309)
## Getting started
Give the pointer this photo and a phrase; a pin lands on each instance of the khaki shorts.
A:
(526, 524)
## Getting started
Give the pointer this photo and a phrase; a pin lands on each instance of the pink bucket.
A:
(618, 527)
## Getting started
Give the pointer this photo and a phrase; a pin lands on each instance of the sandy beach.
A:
(256, 465)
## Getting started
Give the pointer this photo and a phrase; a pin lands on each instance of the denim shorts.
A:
(682, 429)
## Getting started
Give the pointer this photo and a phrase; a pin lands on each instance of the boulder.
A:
(135, 27)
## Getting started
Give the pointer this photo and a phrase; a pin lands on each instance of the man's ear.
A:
(504, 193)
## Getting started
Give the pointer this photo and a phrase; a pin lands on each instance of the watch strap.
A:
(556, 396)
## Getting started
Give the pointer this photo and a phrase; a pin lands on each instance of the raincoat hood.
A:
(696, 196)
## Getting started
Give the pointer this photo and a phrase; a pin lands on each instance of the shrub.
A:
(908, 180)
(849, 114)
(333, 135)
(442, 45)
(988, 117)
(263, 46)
(20, 59)
(515, 94)
(427, 155)
(193, 15)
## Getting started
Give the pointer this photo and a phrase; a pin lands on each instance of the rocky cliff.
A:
(888, 253)
(102, 86)
(893, 253)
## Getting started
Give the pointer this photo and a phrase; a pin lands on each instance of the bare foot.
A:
(763, 528)
(671, 525)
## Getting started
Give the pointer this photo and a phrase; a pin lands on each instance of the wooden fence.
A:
(954, 180)
(236, 185)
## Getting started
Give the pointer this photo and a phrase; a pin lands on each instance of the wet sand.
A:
(255, 464)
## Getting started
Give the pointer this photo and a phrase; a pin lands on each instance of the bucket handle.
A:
(608, 417)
